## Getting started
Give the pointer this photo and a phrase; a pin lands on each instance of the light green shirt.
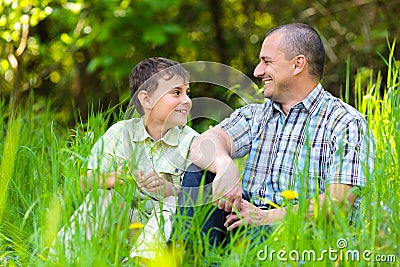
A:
(128, 142)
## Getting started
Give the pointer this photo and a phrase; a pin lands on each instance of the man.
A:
(301, 139)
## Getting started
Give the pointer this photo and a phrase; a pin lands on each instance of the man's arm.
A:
(339, 197)
(212, 151)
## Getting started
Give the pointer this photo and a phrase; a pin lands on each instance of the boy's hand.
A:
(107, 180)
(110, 180)
(156, 183)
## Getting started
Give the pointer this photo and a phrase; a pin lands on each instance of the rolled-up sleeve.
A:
(238, 127)
(352, 154)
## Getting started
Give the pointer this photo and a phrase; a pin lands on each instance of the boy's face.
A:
(171, 103)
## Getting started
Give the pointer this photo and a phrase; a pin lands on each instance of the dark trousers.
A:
(194, 197)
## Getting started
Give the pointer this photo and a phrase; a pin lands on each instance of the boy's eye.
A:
(176, 92)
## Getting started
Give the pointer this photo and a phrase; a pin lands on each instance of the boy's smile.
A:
(170, 104)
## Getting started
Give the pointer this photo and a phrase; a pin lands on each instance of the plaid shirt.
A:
(321, 141)
(127, 142)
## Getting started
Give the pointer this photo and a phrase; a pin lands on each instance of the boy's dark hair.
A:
(146, 74)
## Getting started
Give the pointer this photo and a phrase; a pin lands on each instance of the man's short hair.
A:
(146, 74)
(302, 39)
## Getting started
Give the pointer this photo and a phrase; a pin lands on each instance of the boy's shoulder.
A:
(131, 128)
(136, 131)
(126, 125)
(180, 135)
(187, 130)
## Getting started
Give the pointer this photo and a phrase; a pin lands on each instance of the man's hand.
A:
(247, 215)
(227, 187)
(156, 183)
(341, 196)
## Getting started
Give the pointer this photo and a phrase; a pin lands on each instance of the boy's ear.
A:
(145, 99)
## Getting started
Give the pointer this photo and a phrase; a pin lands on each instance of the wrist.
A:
(223, 164)
(171, 190)
(273, 216)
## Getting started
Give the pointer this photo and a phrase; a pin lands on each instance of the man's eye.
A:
(176, 92)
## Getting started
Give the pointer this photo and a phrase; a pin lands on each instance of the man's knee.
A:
(195, 177)
(196, 189)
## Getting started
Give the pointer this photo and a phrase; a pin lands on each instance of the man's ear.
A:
(299, 64)
(145, 99)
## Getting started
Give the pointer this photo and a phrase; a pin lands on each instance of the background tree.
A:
(81, 52)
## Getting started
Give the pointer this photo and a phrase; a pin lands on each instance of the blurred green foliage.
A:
(79, 53)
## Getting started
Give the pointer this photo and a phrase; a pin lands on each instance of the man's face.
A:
(171, 103)
(274, 70)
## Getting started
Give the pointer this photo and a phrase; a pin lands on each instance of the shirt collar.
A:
(313, 99)
(310, 103)
(170, 138)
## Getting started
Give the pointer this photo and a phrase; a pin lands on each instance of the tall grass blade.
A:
(8, 161)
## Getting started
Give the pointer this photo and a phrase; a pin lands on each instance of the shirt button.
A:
(176, 170)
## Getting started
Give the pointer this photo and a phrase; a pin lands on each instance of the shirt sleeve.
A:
(238, 127)
(352, 155)
(104, 154)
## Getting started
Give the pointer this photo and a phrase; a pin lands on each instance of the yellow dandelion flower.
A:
(289, 194)
(167, 257)
(136, 225)
(43, 258)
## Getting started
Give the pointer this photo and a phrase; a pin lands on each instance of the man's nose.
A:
(259, 70)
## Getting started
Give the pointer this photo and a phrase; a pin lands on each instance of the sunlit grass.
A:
(42, 159)
(8, 160)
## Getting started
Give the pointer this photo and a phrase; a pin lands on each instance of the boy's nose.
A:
(186, 98)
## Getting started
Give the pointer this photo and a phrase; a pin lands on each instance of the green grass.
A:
(42, 159)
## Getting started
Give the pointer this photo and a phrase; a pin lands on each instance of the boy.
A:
(153, 150)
